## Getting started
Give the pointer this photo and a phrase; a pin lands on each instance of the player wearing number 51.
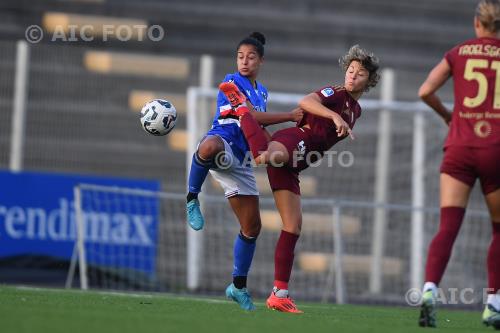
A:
(472, 150)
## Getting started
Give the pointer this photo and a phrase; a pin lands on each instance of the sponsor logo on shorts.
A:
(301, 150)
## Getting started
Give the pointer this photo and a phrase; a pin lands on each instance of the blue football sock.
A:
(244, 248)
(197, 173)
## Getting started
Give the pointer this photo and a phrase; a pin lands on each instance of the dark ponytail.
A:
(256, 39)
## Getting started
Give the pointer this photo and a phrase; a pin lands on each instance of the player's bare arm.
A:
(427, 92)
(312, 104)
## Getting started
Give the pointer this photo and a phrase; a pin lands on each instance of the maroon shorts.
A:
(299, 144)
(468, 163)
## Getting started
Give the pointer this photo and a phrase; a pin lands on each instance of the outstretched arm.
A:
(427, 92)
(312, 104)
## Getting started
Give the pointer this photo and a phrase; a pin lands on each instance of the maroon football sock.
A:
(255, 135)
(494, 261)
(442, 244)
(283, 259)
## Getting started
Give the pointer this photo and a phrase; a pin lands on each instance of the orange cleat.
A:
(235, 98)
(282, 304)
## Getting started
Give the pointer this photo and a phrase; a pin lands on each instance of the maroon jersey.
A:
(475, 67)
(337, 99)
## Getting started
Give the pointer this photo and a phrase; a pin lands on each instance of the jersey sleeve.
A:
(451, 55)
(327, 94)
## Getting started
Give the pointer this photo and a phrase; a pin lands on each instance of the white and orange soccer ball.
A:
(158, 117)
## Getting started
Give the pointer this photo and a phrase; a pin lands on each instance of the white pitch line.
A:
(126, 294)
(160, 296)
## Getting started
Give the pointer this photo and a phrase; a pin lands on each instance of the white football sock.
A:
(430, 286)
(494, 300)
(281, 293)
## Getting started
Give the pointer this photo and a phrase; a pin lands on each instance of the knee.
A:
(252, 229)
(210, 147)
(253, 232)
(294, 228)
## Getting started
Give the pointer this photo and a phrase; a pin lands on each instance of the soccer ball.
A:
(158, 117)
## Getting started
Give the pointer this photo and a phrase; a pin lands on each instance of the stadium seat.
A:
(94, 25)
(136, 64)
(316, 262)
(137, 99)
(313, 222)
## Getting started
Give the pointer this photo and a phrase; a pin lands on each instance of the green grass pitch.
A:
(48, 310)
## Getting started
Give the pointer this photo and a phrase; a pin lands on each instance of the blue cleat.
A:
(240, 296)
(194, 217)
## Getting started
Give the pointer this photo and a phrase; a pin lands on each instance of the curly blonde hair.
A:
(368, 60)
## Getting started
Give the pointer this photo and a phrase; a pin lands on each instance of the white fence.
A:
(333, 260)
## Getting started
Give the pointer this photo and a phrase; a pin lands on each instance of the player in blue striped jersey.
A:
(223, 152)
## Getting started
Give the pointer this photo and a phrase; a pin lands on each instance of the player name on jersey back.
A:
(486, 50)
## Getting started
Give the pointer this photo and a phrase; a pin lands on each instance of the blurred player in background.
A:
(329, 116)
(472, 151)
(223, 150)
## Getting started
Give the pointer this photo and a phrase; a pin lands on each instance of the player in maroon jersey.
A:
(472, 151)
(330, 114)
